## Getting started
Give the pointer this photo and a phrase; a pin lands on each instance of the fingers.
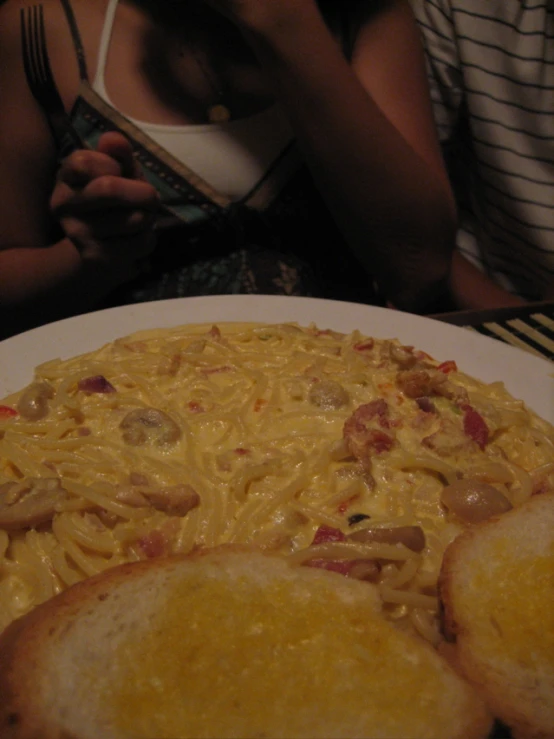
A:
(118, 249)
(84, 165)
(104, 193)
(115, 145)
(105, 207)
(95, 180)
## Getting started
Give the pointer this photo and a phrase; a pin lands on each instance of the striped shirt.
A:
(491, 73)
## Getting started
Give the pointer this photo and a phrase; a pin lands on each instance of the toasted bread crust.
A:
(522, 701)
(21, 645)
(34, 640)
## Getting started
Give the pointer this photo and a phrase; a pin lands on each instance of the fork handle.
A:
(65, 136)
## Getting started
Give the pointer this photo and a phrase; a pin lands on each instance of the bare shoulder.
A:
(10, 29)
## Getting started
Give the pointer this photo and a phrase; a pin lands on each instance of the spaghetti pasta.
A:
(334, 450)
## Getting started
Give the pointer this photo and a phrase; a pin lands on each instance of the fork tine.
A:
(35, 56)
(42, 52)
(35, 49)
(25, 50)
(41, 80)
(43, 61)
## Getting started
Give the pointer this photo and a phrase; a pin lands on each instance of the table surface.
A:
(529, 327)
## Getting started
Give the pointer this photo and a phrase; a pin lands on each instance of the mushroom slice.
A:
(30, 503)
(403, 356)
(328, 395)
(176, 500)
(473, 501)
(33, 404)
(149, 426)
(411, 537)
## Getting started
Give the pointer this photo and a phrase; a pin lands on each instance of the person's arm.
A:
(40, 280)
(471, 289)
(368, 136)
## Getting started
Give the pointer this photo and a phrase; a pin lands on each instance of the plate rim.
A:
(88, 331)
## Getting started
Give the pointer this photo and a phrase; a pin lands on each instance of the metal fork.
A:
(41, 80)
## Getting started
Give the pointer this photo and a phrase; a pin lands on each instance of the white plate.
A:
(525, 376)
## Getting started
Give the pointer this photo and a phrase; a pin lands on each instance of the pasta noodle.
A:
(337, 451)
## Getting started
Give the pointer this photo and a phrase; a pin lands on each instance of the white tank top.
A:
(232, 157)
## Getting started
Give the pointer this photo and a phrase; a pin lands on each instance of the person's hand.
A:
(106, 208)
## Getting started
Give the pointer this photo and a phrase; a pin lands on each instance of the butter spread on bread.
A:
(225, 643)
(497, 586)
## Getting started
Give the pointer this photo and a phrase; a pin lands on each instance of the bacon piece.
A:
(431, 382)
(475, 426)
(377, 409)
(158, 542)
(363, 431)
(327, 533)
(361, 569)
(379, 441)
(420, 383)
(328, 332)
(96, 384)
(364, 346)
(153, 544)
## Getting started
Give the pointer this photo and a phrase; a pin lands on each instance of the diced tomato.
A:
(7, 412)
(475, 426)
(345, 505)
(448, 366)
(259, 404)
(325, 534)
(240, 451)
(195, 407)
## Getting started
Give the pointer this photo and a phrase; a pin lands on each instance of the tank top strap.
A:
(76, 36)
(103, 47)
